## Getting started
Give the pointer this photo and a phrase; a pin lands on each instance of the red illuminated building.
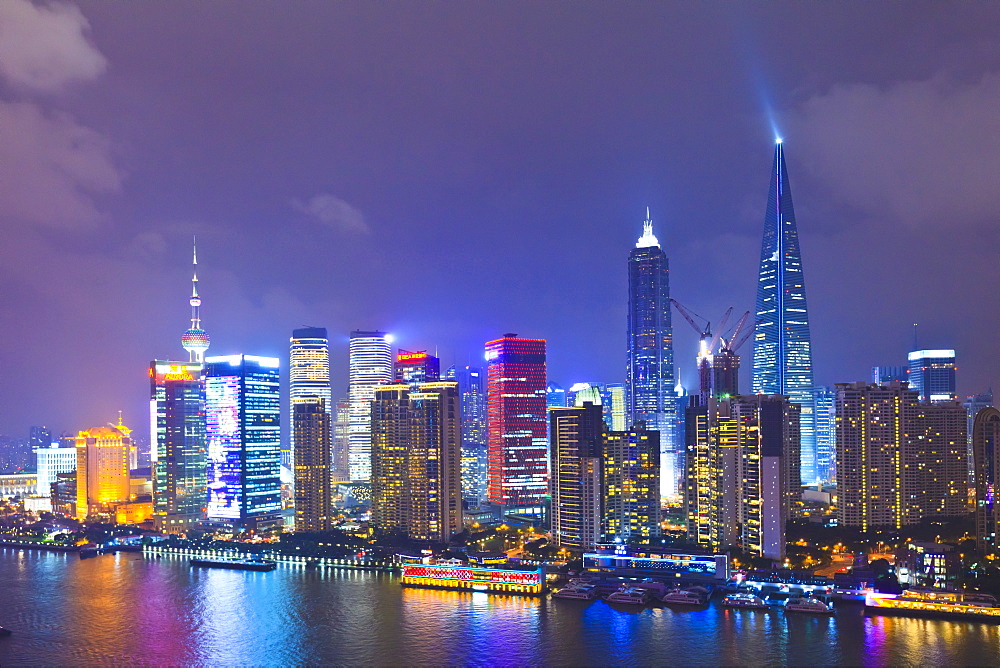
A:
(517, 461)
(413, 368)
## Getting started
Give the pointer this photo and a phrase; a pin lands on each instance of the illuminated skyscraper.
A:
(311, 465)
(342, 441)
(650, 352)
(618, 413)
(932, 374)
(243, 420)
(883, 375)
(986, 451)
(577, 443)
(782, 356)
(370, 365)
(631, 485)
(472, 389)
(308, 372)
(102, 473)
(516, 422)
(973, 404)
(418, 367)
(824, 400)
(416, 460)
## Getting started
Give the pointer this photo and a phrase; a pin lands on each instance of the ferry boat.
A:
(452, 575)
(808, 605)
(920, 601)
(236, 564)
(582, 592)
(744, 600)
(629, 596)
(682, 597)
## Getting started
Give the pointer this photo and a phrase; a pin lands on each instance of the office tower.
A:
(308, 373)
(50, 461)
(973, 404)
(555, 396)
(243, 431)
(370, 365)
(102, 474)
(932, 374)
(782, 356)
(416, 460)
(898, 460)
(883, 375)
(577, 444)
(472, 390)
(650, 352)
(742, 476)
(341, 442)
(177, 444)
(312, 457)
(986, 450)
(516, 424)
(631, 485)
(824, 399)
(39, 437)
(618, 412)
(581, 393)
(417, 367)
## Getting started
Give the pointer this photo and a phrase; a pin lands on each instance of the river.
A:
(123, 609)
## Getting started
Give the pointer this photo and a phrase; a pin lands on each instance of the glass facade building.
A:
(243, 432)
(650, 351)
(782, 354)
(370, 365)
(932, 374)
(312, 458)
(308, 373)
(986, 452)
(472, 390)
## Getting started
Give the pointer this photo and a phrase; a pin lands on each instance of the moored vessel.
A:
(581, 592)
(928, 602)
(744, 600)
(682, 597)
(629, 596)
(235, 564)
(808, 605)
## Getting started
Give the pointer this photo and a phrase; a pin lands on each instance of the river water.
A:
(123, 609)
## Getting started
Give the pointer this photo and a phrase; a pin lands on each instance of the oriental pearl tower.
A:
(196, 339)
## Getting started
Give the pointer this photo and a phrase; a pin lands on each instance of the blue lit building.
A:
(650, 351)
(824, 399)
(243, 431)
(472, 390)
(932, 375)
(782, 355)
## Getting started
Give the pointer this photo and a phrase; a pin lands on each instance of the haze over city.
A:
(453, 172)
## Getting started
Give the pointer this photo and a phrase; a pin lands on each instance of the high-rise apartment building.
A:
(650, 350)
(308, 373)
(50, 461)
(417, 367)
(102, 472)
(370, 365)
(243, 432)
(311, 465)
(516, 424)
(341, 441)
(630, 487)
(986, 450)
(577, 446)
(782, 357)
(472, 390)
(932, 374)
(416, 460)
(897, 460)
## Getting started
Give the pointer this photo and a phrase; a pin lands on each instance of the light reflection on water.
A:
(124, 609)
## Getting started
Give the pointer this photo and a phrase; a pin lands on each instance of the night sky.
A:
(453, 171)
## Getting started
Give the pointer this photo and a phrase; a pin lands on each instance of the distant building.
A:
(418, 367)
(39, 437)
(618, 407)
(311, 465)
(986, 450)
(341, 445)
(370, 365)
(883, 375)
(630, 486)
(50, 462)
(555, 396)
(824, 401)
(308, 374)
(472, 389)
(650, 351)
(973, 404)
(516, 424)
(243, 430)
(102, 470)
(416, 460)
(577, 445)
(932, 375)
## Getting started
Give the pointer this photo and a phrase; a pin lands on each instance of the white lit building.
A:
(370, 365)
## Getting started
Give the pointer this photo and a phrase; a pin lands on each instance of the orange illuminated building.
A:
(102, 470)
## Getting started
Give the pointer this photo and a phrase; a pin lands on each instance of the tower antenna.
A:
(195, 340)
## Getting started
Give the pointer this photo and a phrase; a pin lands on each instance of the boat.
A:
(629, 595)
(809, 605)
(581, 592)
(930, 602)
(744, 600)
(682, 597)
(88, 552)
(236, 564)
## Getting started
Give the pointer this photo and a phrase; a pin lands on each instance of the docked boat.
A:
(744, 600)
(919, 601)
(236, 564)
(580, 592)
(682, 597)
(809, 605)
(629, 596)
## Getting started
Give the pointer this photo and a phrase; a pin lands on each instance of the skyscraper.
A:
(341, 446)
(472, 390)
(311, 465)
(102, 473)
(932, 374)
(986, 450)
(973, 404)
(577, 443)
(370, 365)
(824, 400)
(243, 430)
(417, 367)
(782, 358)
(516, 423)
(650, 351)
(308, 373)
(631, 484)
(883, 375)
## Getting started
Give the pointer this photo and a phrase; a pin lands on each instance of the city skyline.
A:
(503, 210)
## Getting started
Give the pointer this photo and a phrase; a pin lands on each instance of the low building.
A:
(928, 564)
(620, 560)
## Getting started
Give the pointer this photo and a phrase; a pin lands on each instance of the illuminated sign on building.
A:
(403, 357)
(713, 566)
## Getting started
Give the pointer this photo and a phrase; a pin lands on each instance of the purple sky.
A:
(453, 171)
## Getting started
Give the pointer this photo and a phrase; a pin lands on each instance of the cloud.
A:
(44, 47)
(334, 212)
(917, 152)
(51, 167)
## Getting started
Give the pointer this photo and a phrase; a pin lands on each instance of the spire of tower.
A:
(195, 340)
(648, 239)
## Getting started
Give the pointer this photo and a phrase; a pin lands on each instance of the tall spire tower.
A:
(196, 339)
(782, 355)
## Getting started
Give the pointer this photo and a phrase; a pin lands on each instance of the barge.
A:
(235, 564)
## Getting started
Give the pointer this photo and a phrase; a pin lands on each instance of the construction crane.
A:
(733, 342)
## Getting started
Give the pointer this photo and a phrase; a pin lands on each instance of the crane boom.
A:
(690, 316)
